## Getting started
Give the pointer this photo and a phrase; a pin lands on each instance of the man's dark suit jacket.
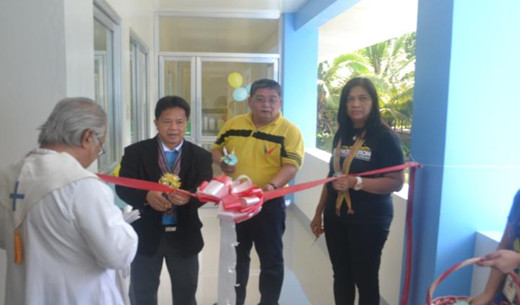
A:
(140, 161)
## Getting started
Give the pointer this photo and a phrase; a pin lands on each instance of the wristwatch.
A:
(359, 184)
(273, 185)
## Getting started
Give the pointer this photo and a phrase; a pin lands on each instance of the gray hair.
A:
(69, 119)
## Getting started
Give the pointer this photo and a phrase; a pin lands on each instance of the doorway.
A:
(216, 87)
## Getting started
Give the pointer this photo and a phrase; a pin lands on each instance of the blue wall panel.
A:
(299, 77)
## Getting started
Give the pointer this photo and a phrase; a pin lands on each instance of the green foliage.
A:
(390, 65)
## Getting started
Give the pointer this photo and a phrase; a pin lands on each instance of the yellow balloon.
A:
(235, 79)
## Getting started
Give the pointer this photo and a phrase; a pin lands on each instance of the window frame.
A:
(140, 118)
(107, 17)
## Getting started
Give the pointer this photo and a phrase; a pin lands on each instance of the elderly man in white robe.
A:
(63, 234)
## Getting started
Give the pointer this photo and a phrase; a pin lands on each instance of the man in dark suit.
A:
(169, 227)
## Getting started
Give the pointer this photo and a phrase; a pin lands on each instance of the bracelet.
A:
(359, 184)
(272, 184)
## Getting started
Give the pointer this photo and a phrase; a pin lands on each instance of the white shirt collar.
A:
(178, 148)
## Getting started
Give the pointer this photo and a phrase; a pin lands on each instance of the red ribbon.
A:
(208, 197)
(220, 189)
(136, 183)
(236, 203)
(306, 185)
(141, 184)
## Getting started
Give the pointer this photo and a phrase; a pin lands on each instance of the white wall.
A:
(44, 58)
(46, 55)
(79, 42)
(392, 260)
(316, 167)
(33, 71)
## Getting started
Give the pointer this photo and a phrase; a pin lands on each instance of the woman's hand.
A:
(502, 260)
(316, 225)
(343, 183)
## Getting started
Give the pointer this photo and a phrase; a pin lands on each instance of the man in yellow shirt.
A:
(269, 149)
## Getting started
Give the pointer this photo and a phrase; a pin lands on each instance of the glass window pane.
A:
(139, 92)
(230, 35)
(219, 93)
(177, 81)
(104, 91)
(142, 93)
(133, 93)
(225, 89)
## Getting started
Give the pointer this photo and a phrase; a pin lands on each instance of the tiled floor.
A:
(308, 278)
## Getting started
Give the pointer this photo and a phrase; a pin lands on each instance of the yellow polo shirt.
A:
(261, 152)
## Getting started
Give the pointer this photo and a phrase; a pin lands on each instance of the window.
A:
(107, 80)
(139, 107)
(198, 53)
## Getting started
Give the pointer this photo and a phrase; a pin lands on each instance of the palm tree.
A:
(390, 66)
(393, 75)
(331, 78)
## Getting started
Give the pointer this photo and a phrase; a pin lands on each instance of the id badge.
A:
(509, 290)
(169, 217)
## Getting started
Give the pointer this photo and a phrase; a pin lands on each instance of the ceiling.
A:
(366, 23)
(282, 6)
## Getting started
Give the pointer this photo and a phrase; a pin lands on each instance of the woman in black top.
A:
(357, 211)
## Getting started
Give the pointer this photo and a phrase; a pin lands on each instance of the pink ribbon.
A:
(238, 200)
(214, 190)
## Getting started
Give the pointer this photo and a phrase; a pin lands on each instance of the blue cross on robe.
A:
(15, 195)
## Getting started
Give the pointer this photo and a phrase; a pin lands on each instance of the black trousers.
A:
(265, 230)
(146, 272)
(355, 253)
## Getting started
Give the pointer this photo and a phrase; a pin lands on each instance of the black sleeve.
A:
(130, 165)
(390, 151)
(203, 172)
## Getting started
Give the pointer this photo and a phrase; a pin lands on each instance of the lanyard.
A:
(345, 170)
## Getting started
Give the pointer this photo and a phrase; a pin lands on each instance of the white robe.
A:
(73, 239)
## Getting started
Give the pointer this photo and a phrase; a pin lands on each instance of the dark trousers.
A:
(146, 270)
(355, 253)
(265, 230)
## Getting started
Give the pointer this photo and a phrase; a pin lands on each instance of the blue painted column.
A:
(299, 77)
(300, 62)
(466, 133)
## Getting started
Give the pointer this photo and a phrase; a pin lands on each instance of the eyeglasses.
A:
(272, 100)
(101, 148)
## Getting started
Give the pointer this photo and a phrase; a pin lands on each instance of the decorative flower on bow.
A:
(171, 180)
(238, 200)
